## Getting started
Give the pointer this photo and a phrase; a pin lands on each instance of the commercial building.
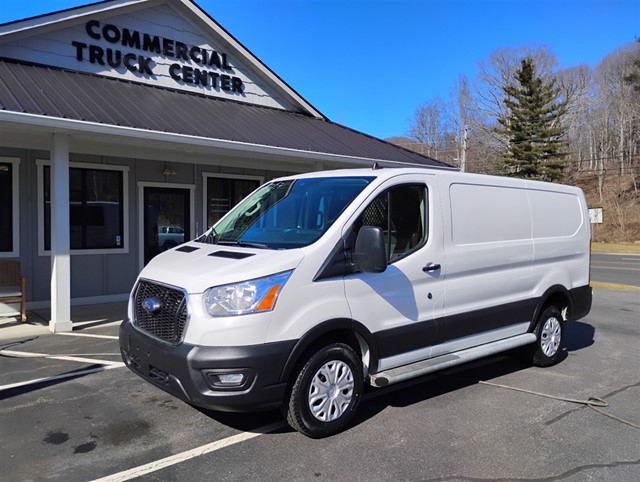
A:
(128, 126)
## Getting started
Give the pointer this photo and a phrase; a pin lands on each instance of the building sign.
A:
(155, 45)
(133, 51)
(596, 215)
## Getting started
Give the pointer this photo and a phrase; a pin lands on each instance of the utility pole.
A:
(463, 158)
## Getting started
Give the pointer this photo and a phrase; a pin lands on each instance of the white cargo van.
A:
(317, 284)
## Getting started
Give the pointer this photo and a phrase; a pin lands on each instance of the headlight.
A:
(246, 297)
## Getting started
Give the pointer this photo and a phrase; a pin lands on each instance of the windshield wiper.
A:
(247, 244)
(210, 237)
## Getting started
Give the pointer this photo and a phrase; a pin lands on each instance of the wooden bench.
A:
(13, 285)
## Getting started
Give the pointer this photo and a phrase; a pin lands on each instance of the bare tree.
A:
(576, 88)
(428, 127)
(619, 97)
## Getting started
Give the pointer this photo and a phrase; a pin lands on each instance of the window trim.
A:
(205, 193)
(41, 163)
(15, 206)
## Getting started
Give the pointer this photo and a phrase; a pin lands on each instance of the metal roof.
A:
(64, 94)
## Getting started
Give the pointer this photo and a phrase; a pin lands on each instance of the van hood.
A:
(196, 267)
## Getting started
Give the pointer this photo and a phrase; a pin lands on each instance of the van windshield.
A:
(286, 214)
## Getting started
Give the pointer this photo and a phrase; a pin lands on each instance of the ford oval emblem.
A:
(151, 305)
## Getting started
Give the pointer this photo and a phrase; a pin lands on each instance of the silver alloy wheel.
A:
(331, 391)
(550, 336)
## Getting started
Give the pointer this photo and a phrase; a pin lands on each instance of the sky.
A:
(369, 64)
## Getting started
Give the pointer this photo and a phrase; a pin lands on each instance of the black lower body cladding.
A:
(189, 372)
(581, 302)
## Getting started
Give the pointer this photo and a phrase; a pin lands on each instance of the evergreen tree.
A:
(536, 148)
(634, 77)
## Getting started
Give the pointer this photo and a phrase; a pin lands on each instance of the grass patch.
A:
(616, 248)
(613, 286)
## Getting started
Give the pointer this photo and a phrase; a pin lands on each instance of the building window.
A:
(8, 207)
(223, 193)
(96, 208)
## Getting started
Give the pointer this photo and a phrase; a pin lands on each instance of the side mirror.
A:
(370, 255)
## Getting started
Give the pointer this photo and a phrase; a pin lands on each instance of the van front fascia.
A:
(185, 370)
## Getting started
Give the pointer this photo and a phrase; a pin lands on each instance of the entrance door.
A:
(167, 218)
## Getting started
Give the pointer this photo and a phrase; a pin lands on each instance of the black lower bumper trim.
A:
(182, 370)
(581, 298)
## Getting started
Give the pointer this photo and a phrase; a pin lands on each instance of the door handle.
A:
(431, 267)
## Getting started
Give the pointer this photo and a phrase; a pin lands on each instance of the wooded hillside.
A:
(597, 122)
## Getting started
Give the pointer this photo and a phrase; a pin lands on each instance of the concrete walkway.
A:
(82, 316)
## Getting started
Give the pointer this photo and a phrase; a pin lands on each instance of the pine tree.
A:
(634, 77)
(536, 149)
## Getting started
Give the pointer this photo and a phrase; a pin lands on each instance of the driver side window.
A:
(401, 213)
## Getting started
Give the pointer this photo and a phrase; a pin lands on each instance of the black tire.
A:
(335, 402)
(549, 346)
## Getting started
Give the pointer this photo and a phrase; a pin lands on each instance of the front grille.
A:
(169, 318)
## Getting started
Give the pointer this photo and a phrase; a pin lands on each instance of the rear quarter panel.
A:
(561, 235)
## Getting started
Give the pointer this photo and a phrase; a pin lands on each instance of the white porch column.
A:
(60, 243)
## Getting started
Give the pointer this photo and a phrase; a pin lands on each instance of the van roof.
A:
(382, 174)
(385, 172)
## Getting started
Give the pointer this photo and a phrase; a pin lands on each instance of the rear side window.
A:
(401, 213)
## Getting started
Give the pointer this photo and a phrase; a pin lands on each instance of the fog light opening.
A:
(233, 379)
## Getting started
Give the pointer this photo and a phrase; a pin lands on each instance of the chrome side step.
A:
(406, 372)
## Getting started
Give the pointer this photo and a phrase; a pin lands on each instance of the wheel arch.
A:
(343, 330)
(557, 296)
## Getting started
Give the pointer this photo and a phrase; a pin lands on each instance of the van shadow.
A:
(247, 421)
(578, 335)
(436, 384)
(376, 400)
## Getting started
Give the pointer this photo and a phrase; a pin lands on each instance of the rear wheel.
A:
(326, 392)
(550, 338)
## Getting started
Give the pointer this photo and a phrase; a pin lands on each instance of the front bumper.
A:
(189, 372)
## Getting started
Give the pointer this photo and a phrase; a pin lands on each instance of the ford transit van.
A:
(316, 285)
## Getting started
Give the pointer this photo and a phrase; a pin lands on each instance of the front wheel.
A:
(550, 338)
(326, 392)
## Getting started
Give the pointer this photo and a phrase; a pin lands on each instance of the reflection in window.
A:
(223, 194)
(6, 207)
(287, 214)
(95, 208)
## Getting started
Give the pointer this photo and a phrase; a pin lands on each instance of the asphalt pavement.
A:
(89, 418)
(616, 268)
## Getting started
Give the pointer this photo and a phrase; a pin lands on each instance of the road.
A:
(616, 268)
(88, 417)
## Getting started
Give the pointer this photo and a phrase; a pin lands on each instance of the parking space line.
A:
(88, 335)
(94, 324)
(57, 377)
(93, 361)
(190, 454)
